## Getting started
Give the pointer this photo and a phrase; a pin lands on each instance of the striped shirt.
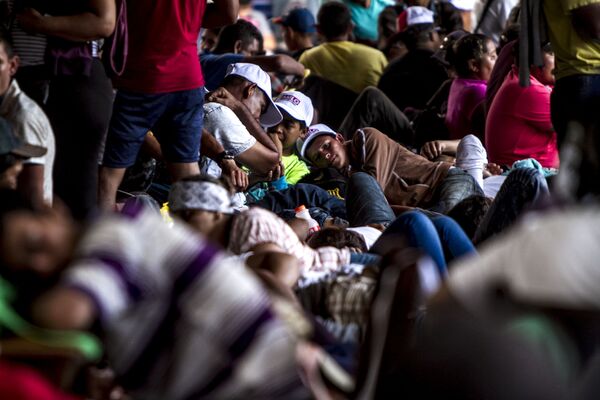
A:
(181, 320)
(31, 48)
(258, 226)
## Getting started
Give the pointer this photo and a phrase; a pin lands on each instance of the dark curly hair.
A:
(338, 238)
(469, 47)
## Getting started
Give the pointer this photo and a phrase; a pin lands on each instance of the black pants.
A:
(79, 109)
(34, 81)
(374, 109)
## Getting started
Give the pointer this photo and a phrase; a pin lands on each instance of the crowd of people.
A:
(299, 199)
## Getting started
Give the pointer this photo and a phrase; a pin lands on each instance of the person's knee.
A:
(411, 219)
(359, 179)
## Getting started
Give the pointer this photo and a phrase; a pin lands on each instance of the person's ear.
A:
(340, 138)
(14, 65)
(473, 66)
(303, 132)
(237, 47)
(249, 91)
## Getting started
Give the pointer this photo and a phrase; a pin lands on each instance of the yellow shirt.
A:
(351, 65)
(574, 55)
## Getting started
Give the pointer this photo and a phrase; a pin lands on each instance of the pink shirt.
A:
(258, 226)
(465, 96)
(163, 56)
(518, 124)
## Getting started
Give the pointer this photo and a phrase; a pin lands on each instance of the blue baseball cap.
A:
(299, 19)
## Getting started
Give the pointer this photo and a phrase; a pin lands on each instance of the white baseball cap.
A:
(414, 15)
(314, 132)
(253, 73)
(297, 104)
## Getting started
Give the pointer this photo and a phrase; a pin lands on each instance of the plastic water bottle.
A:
(302, 213)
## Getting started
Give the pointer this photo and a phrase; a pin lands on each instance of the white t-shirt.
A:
(32, 126)
(231, 133)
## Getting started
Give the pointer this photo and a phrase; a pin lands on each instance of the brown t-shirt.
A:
(407, 179)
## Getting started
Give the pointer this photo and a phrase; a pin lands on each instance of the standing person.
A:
(575, 38)
(79, 103)
(161, 88)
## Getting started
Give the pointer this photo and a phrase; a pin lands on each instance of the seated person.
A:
(518, 124)
(234, 114)
(351, 65)
(297, 112)
(407, 179)
(543, 271)
(243, 42)
(144, 281)
(298, 29)
(31, 125)
(412, 79)
(206, 205)
(474, 57)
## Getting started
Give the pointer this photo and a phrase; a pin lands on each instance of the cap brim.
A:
(272, 116)
(29, 151)
(311, 139)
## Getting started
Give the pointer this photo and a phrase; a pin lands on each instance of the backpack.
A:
(116, 46)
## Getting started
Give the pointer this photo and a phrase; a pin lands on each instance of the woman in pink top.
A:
(475, 56)
(518, 124)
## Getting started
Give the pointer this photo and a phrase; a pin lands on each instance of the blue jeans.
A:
(577, 98)
(440, 237)
(522, 187)
(457, 186)
(365, 202)
(176, 118)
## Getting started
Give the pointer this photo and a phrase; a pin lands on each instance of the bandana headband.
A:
(199, 195)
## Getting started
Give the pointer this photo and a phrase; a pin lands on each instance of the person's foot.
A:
(472, 157)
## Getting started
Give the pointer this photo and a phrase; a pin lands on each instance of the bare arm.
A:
(220, 13)
(222, 96)
(259, 159)
(96, 23)
(31, 183)
(432, 150)
(586, 21)
(65, 308)
(279, 63)
(211, 148)
(151, 147)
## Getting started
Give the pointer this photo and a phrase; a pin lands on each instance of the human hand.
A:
(276, 172)
(433, 149)
(224, 97)
(236, 176)
(30, 20)
(492, 169)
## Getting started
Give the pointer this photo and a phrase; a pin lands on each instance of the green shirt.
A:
(295, 168)
(574, 55)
